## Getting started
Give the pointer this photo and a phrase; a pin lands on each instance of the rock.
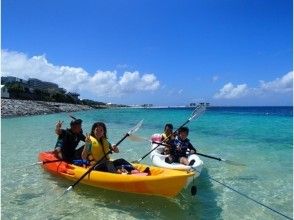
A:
(13, 107)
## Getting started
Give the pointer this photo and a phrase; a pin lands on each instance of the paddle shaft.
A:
(204, 155)
(127, 134)
(48, 161)
(90, 169)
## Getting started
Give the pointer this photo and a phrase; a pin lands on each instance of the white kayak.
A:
(158, 159)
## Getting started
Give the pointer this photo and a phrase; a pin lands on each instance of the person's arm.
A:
(58, 129)
(192, 149)
(84, 153)
(87, 148)
(114, 148)
(59, 145)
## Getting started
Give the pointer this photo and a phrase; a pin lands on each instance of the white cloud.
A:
(229, 91)
(180, 91)
(284, 84)
(102, 83)
(279, 85)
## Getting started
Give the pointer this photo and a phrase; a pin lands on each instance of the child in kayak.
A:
(167, 136)
(97, 148)
(180, 146)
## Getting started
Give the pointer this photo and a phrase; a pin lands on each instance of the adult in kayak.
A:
(68, 140)
(96, 148)
(180, 148)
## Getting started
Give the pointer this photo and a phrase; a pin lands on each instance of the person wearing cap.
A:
(68, 140)
(180, 147)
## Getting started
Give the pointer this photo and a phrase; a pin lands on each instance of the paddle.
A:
(133, 130)
(208, 156)
(138, 138)
(74, 118)
(76, 162)
(50, 161)
(45, 162)
(199, 110)
(223, 160)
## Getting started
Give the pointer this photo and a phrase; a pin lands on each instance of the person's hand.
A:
(58, 127)
(88, 142)
(92, 163)
(58, 153)
(87, 139)
(178, 148)
(115, 149)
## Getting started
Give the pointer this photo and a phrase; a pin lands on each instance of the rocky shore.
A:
(13, 107)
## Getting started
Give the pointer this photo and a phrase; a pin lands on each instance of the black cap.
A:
(169, 126)
(76, 122)
(184, 129)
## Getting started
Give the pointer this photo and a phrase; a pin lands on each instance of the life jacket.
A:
(166, 138)
(183, 144)
(98, 149)
(163, 136)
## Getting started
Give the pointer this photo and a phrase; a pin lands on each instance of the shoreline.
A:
(18, 108)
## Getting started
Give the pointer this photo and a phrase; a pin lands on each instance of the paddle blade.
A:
(199, 110)
(33, 164)
(135, 128)
(234, 163)
(67, 190)
(193, 190)
(136, 138)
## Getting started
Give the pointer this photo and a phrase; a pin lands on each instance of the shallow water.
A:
(259, 137)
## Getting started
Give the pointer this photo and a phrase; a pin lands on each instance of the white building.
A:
(12, 79)
(43, 85)
(4, 92)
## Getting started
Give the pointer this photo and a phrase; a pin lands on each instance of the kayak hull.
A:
(161, 182)
(158, 159)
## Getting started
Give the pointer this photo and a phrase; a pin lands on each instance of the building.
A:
(33, 83)
(42, 85)
(4, 92)
(205, 103)
(12, 79)
(74, 95)
(193, 104)
(147, 105)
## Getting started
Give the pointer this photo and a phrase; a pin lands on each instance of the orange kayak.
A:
(160, 182)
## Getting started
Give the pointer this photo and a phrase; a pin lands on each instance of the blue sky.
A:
(230, 52)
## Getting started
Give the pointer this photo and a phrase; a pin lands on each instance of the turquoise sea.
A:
(260, 137)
